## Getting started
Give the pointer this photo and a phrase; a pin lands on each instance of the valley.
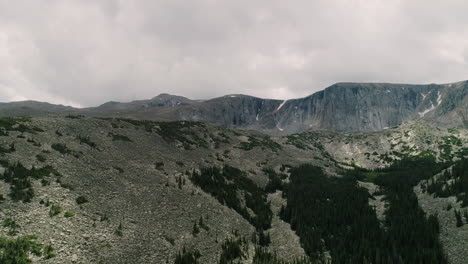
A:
(113, 190)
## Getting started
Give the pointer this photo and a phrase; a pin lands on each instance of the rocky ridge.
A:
(342, 107)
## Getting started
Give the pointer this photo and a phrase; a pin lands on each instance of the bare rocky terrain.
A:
(129, 175)
(129, 178)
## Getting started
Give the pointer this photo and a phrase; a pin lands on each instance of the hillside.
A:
(129, 174)
(90, 189)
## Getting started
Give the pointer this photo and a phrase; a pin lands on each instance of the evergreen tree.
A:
(459, 218)
(187, 257)
(195, 229)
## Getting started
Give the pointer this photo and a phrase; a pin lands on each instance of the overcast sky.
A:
(87, 52)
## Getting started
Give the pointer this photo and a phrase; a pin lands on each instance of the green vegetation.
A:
(11, 225)
(189, 134)
(386, 158)
(86, 140)
(274, 182)
(119, 169)
(119, 230)
(412, 235)
(221, 138)
(159, 165)
(11, 148)
(261, 142)
(297, 140)
(263, 256)
(34, 142)
(236, 249)
(202, 224)
(41, 158)
(195, 229)
(263, 239)
(462, 153)
(446, 147)
(170, 240)
(8, 124)
(20, 177)
(226, 184)
(48, 252)
(452, 182)
(187, 257)
(117, 137)
(65, 184)
(452, 140)
(103, 217)
(458, 217)
(62, 148)
(427, 153)
(55, 210)
(306, 140)
(81, 200)
(333, 214)
(233, 249)
(69, 214)
(184, 132)
(74, 116)
(335, 210)
(46, 203)
(17, 251)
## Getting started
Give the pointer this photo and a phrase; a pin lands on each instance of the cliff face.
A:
(234, 111)
(453, 108)
(355, 107)
(343, 107)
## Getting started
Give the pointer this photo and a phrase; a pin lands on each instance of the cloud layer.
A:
(84, 52)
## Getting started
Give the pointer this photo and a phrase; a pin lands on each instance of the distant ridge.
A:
(342, 107)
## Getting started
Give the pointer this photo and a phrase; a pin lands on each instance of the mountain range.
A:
(342, 107)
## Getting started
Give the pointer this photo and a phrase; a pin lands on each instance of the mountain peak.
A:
(167, 96)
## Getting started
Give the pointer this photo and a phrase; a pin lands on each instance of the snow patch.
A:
(439, 101)
(439, 98)
(281, 105)
(232, 96)
(425, 95)
(388, 91)
(279, 128)
(423, 113)
(256, 117)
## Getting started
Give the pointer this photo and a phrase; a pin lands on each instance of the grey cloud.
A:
(88, 52)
